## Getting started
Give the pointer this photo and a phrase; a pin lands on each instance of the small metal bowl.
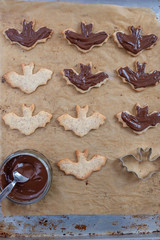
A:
(43, 160)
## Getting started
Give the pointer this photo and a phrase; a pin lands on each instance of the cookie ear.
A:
(82, 124)
(29, 81)
(28, 123)
(82, 169)
(22, 38)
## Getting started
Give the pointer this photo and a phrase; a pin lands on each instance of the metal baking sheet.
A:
(86, 226)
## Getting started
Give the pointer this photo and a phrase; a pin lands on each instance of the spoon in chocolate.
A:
(17, 178)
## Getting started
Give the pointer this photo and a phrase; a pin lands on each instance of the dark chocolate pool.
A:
(31, 165)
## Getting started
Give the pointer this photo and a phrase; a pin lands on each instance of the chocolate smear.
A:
(86, 39)
(28, 37)
(85, 79)
(139, 79)
(142, 120)
(136, 42)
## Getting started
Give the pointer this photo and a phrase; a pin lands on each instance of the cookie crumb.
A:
(87, 182)
(3, 80)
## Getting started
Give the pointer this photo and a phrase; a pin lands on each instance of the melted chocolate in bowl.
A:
(30, 167)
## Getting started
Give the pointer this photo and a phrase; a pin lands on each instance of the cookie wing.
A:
(67, 121)
(95, 120)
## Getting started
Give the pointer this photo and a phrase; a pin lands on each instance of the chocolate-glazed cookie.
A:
(140, 122)
(139, 80)
(28, 38)
(135, 42)
(85, 80)
(85, 40)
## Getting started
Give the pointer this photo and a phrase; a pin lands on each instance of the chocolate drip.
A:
(86, 39)
(139, 79)
(85, 79)
(135, 42)
(142, 120)
(29, 167)
(28, 37)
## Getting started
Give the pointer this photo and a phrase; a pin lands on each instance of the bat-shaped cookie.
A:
(82, 124)
(143, 166)
(135, 42)
(85, 80)
(141, 121)
(29, 81)
(28, 123)
(82, 168)
(139, 80)
(85, 40)
(28, 38)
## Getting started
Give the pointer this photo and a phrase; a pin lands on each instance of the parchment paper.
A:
(111, 190)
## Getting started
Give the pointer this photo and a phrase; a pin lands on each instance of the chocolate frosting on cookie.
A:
(142, 120)
(29, 167)
(139, 79)
(85, 79)
(86, 39)
(28, 37)
(135, 42)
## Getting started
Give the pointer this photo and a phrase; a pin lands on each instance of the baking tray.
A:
(86, 226)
